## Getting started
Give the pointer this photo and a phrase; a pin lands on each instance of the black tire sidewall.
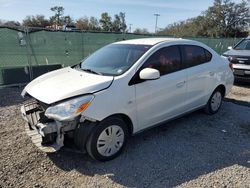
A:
(92, 141)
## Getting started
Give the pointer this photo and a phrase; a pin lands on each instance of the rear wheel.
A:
(214, 102)
(108, 139)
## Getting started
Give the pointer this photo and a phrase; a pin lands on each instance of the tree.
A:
(86, 23)
(119, 23)
(93, 24)
(123, 22)
(227, 18)
(224, 19)
(67, 20)
(11, 24)
(82, 23)
(191, 27)
(105, 22)
(116, 25)
(141, 31)
(35, 21)
(58, 17)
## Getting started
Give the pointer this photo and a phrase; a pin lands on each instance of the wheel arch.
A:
(222, 88)
(126, 119)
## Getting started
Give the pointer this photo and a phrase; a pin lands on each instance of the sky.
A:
(139, 13)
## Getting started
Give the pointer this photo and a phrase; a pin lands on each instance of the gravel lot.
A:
(197, 150)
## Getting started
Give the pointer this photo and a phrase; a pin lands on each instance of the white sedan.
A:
(122, 89)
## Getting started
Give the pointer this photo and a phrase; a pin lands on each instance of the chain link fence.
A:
(26, 53)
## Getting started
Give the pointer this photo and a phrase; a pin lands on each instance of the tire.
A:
(82, 133)
(214, 103)
(107, 139)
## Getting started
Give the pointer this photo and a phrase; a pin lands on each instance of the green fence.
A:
(28, 53)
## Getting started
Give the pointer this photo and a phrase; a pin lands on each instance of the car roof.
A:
(150, 41)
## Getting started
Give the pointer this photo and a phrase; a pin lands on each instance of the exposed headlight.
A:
(70, 109)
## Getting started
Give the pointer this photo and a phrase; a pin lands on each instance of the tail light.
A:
(231, 66)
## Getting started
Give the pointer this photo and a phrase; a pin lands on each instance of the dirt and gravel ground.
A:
(197, 150)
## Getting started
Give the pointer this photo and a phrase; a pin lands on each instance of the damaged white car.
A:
(122, 89)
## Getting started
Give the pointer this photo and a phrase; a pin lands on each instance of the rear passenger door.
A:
(197, 62)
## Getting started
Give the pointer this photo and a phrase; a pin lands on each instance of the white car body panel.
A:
(146, 103)
(117, 99)
(160, 99)
(148, 41)
(200, 83)
(145, 95)
(65, 83)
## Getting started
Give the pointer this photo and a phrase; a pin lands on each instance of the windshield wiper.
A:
(89, 70)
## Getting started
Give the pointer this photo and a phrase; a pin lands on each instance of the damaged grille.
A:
(34, 112)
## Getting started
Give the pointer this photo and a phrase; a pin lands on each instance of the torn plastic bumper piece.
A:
(32, 114)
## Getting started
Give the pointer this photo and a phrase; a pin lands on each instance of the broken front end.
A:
(47, 125)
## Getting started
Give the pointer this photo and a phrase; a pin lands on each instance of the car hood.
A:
(65, 83)
(237, 53)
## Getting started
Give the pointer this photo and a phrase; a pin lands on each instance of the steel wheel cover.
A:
(216, 101)
(110, 140)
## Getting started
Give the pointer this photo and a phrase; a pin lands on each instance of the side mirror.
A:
(230, 48)
(149, 74)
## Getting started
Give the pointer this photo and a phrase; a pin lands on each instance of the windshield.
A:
(113, 59)
(243, 45)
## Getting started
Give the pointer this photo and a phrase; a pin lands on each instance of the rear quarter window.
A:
(208, 55)
(195, 55)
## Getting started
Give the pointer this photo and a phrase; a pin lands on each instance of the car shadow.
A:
(173, 153)
(239, 102)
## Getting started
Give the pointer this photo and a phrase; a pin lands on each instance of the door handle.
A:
(180, 84)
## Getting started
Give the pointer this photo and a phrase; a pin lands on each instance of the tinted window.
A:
(166, 60)
(195, 55)
(208, 55)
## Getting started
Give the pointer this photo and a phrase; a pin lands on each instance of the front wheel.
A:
(214, 102)
(108, 139)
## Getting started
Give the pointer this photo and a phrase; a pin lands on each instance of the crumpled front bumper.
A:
(37, 128)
